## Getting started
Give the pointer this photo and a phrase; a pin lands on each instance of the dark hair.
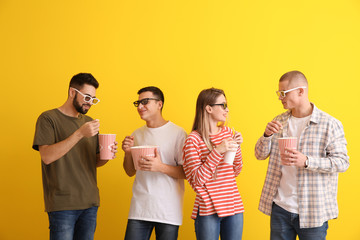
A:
(155, 91)
(78, 80)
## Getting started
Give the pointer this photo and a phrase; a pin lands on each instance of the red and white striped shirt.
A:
(212, 179)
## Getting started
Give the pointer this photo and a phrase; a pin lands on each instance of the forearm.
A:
(198, 172)
(331, 164)
(129, 165)
(238, 163)
(173, 171)
(51, 153)
(262, 148)
(337, 159)
(100, 162)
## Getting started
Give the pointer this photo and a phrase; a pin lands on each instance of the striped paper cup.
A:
(106, 141)
(139, 152)
(287, 142)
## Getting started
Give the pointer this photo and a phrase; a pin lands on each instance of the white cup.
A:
(230, 156)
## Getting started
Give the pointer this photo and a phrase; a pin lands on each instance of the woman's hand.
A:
(238, 138)
(228, 144)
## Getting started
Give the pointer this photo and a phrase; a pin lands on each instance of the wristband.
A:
(306, 163)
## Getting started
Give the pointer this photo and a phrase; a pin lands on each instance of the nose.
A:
(140, 106)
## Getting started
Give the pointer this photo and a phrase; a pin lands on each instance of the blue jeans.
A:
(211, 227)
(141, 230)
(285, 226)
(73, 224)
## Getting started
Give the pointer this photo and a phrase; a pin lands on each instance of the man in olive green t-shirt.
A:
(68, 144)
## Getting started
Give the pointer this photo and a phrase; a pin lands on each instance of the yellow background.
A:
(241, 46)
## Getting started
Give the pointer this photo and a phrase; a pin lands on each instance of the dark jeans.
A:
(73, 224)
(285, 226)
(141, 230)
(211, 227)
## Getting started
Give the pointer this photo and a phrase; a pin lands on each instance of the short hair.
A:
(293, 76)
(78, 80)
(155, 91)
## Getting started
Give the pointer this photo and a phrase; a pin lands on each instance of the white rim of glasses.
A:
(91, 98)
(283, 93)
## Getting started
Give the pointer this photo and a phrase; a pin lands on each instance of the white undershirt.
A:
(287, 196)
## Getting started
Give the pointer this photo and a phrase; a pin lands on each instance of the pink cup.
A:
(287, 142)
(106, 141)
(140, 151)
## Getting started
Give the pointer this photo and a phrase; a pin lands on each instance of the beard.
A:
(79, 107)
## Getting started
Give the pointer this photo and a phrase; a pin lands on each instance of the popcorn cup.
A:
(140, 151)
(106, 141)
(287, 142)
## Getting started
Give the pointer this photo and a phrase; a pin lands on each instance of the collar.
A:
(315, 115)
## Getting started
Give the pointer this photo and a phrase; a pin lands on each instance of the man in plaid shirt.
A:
(300, 188)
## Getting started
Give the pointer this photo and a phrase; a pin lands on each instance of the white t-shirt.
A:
(158, 197)
(287, 196)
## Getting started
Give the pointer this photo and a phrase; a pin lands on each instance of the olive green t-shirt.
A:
(70, 182)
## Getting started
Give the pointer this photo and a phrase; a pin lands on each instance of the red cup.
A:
(140, 151)
(287, 142)
(106, 141)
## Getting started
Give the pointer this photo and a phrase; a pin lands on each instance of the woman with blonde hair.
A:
(218, 209)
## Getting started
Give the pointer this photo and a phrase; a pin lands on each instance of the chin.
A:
(143, 117)
(84, 110)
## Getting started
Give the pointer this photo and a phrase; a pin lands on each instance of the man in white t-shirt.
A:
(300, 189)
(158, 189)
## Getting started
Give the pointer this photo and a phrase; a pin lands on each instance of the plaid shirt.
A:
(323, 142)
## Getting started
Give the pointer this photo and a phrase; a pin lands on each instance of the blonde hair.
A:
(201, 122)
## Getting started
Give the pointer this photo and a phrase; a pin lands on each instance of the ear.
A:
(160, 104)
(71, 93)
(208, 108)
(301, 92)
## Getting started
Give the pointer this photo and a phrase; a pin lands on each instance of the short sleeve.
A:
(179, 147)
(44, 132)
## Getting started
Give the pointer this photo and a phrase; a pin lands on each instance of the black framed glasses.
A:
(223, 105)
(144, 101)
(88, 98)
